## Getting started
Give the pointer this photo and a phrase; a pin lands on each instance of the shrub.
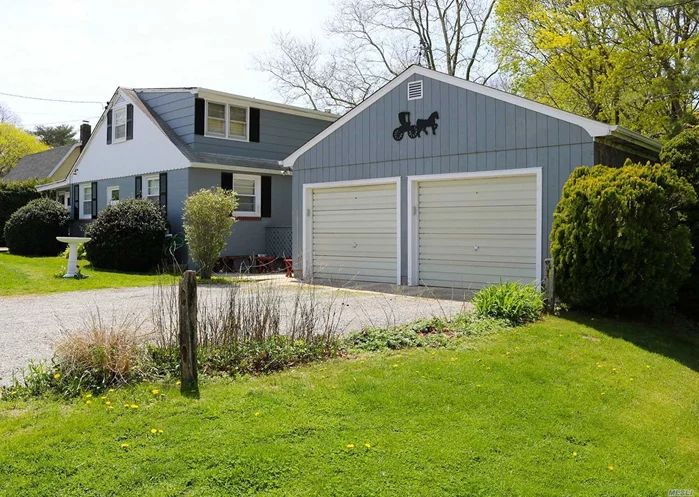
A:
(128, 236)
(208, 222)
(617, 241)
(32, 229)
(14, 195)
(81, 252)
(513, 301)
(682, 154)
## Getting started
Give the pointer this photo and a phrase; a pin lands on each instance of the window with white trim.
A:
(227, 121)
(86, 201)
(112, 195)
(152, 190)
(247, 190)
(119, 125)
(64, 199)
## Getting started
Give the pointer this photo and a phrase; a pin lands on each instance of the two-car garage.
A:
(462, 230)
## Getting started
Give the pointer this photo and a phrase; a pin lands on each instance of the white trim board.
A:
(307, 218)
(593, 128)
(413, 182)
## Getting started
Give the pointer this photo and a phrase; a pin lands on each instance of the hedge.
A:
(14, 195)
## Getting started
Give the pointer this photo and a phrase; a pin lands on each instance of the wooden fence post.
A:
(549, 287)
(188, 334)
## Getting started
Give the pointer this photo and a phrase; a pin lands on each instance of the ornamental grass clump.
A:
(512, 301)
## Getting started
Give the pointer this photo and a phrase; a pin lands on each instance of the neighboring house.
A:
(458, 193)
(163, 144)
(53, 164)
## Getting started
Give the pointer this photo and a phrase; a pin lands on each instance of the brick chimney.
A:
(85, 132)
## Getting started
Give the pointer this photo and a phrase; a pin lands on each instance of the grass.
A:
(545, 410)
(23, 275)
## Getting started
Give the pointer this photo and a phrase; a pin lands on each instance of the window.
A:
(119, 125)
(86, 201)
(152, 188)
(64, 198)
(112, 195)
(247, 189)
(226, 121)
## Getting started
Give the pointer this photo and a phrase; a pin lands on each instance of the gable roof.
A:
(40, 165)
(592, 127)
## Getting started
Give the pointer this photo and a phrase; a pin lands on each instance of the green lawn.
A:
(26, 275)
(565, 407)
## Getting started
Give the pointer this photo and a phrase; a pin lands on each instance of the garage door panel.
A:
(354, 233)
(498, 215)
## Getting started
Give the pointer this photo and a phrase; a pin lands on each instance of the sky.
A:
(84, 49)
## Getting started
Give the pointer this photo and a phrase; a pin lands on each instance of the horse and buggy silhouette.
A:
(415, 130)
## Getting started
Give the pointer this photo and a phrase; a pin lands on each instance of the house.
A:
(438, 181)
(164, 143)
(53, 164)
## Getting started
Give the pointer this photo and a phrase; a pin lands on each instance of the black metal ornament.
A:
(415, 130)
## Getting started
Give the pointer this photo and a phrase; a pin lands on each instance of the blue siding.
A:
(176, 109)
(476, 133)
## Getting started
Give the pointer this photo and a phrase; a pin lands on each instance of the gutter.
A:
(636, 138)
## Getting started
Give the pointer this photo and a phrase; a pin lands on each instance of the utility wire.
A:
(61, 122)
(52, 99)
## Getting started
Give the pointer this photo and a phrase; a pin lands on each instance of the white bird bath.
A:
(72, 242)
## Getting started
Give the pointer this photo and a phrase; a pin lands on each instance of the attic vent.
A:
(415, 90)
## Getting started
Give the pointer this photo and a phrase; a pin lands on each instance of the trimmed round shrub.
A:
(514, 302)
(617, 242)
(13, 195)
(32, 229)
(128, 236)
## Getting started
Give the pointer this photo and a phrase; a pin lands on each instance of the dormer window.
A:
(227, 121)
(120, 124)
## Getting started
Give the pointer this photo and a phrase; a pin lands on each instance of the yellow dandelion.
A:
(602, 393)
(155, 391)
(610, 468)
(88, 396)
(134, 406)
(350, 446)
(395, 365)
(257, 413)
(103, 397)
(111, 389)
(57, 375)
(110, 407)
(88, 402)
(127, 405)
(368, 446)
(647, 366)
(178, 382)
(124, 446)
(160, 431)
(108, 403)
(575, 454)
(153, 430)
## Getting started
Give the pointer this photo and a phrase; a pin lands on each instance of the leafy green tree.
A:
(628, 62)
(15, 144)
(208, 222)
(682, 154)
(617, 242)
(56, 136)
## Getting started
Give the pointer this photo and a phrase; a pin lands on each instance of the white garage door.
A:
(473, 232)
(354, 233)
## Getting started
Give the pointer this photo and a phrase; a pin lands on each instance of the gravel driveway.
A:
(30, 324)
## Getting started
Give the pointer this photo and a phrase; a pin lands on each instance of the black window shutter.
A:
(163, 192)
(138, 189)
(227, 181)
(266, 200)
(76, 202)
(254, 124)
(129, 121)
(199, 116)
(94, 200)
(109, 127)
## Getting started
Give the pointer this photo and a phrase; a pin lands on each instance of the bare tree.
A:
(7, 116)
(375, 40)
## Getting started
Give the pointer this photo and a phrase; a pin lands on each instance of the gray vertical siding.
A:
(248, 236)
(176, 109)
(281, 134)
(476, 133)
